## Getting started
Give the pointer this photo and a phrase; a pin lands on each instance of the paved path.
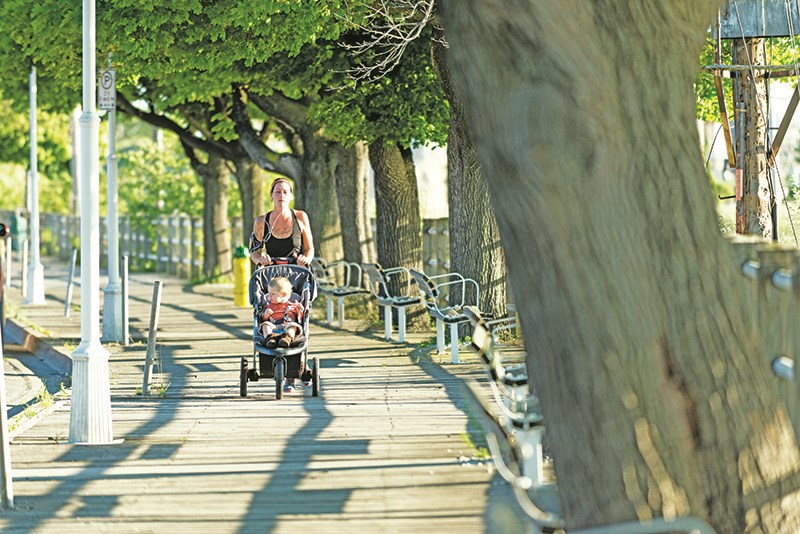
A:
(383, 449)
(28, 379)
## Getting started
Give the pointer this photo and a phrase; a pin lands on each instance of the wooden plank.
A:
(382, 450)
(723, 113)
(784, 126)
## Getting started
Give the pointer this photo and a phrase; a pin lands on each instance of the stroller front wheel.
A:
(279, 375)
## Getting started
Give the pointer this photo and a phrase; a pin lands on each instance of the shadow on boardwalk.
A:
(385, 447)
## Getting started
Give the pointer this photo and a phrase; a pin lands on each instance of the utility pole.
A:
(748, 23)
(757, 197)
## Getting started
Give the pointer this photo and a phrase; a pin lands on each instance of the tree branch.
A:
(286, 164)
(282, 108)
(389, 28)
(187, 136)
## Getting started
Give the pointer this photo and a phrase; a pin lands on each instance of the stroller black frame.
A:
(280, 363)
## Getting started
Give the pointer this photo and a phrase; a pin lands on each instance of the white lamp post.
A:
(112, 303)
(90, 414)
(35, 286)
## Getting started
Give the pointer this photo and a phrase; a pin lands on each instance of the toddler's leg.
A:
(288, 336)
(266, 328)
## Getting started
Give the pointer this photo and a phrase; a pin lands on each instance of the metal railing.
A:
(174, 244)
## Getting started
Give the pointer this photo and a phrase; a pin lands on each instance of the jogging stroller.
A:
(279, 363)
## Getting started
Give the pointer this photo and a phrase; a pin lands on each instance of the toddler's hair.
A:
(282, 283)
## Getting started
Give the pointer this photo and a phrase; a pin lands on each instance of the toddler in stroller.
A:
(281, 315)
(281, 295)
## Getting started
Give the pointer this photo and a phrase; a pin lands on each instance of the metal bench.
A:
(327, 276)
(380, 284)
(436, 294)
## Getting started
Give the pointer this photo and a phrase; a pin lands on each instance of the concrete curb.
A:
(30, 342)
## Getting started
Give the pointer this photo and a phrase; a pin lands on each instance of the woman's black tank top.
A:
(286, 247)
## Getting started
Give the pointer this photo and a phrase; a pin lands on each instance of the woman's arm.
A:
(307, 255)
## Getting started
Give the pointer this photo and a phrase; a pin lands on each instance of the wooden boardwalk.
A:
(383, 449)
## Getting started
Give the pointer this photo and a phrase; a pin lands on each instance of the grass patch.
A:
(479, 452)
(157, 389)
(44, 398)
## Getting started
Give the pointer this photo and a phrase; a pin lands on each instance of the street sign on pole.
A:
(112, 308)
(107, 90)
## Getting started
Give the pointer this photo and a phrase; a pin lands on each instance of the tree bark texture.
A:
(399, 226)
(754, 208)
(217, 253)
(636, 318)
(351, 187)
(475, 249)
(398, 221)
(250, 179)
(318, 196)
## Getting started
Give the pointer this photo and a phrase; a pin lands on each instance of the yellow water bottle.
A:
(241, 276)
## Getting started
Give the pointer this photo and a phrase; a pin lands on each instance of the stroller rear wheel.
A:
(315, 377)
(243, 378)
(279, 374)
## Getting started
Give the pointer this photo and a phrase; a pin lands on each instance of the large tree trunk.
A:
(317, 192)
(251, 191)
(215, 176)
(217, 253)
(399, 225)
(639, 334)
(351, 185)
(398, 222)
(475, 249)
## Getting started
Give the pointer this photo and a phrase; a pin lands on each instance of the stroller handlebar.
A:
(288, 260)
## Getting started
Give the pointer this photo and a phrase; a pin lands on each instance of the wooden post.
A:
(63, 237)
(151, 337)
(194, 245)
(774, 307)
(171, 238)
(444, 246)
(183, 249)
(793, 403)
(753, 214)
(160, 244)
(125, 310)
